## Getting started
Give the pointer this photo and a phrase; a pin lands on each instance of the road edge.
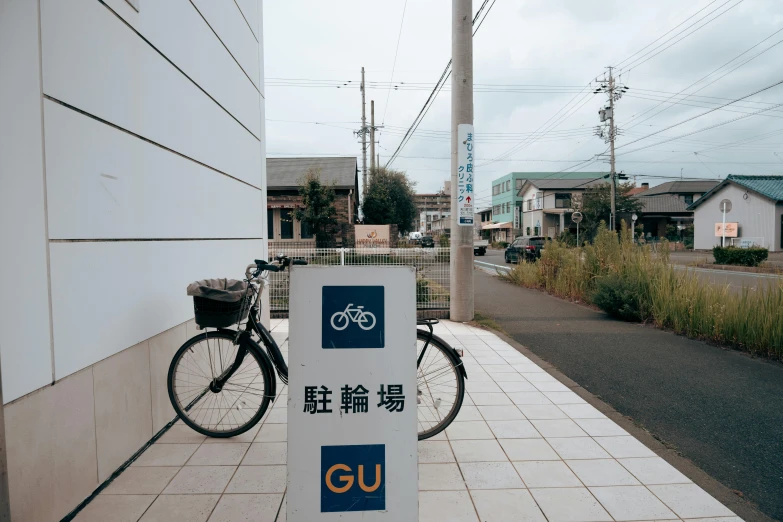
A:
(741, 507)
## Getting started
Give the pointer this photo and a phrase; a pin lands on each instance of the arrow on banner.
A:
(467, 199)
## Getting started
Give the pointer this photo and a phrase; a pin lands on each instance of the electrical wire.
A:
(394, 64)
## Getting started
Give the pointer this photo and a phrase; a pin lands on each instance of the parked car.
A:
(427, 242)
(480, 246)
(525, 248)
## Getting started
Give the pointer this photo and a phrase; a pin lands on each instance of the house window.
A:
(270, 223)
(508, 185)
(688, 199)
(307, 230)
(527, 231)
(286, 224)
(537, 231)
(562, 200)
(496, 190)
(518, 183)
(530, 204)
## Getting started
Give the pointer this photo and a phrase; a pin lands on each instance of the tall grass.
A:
(750, 320)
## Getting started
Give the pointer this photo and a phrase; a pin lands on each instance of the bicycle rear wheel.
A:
(234, 408)
(440, 385)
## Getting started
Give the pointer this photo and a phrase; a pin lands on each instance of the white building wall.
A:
(131, 163)
(756, 216)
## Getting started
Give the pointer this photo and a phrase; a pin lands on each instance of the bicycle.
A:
(221, 381)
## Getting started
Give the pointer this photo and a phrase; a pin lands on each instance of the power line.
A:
(394, 65)
(637, 63)
(704, 114)
(713, 72)
(664, 34)
(438, 86)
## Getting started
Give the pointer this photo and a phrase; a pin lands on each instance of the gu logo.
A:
(353, 478)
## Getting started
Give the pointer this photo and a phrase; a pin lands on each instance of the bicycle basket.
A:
(218, 314)
(219, 303)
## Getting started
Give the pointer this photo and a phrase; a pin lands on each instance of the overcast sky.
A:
(560, 44)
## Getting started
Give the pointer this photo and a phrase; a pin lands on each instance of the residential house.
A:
(284, 177)
(667, 204)
(480, 219)
(507, 202)
(547, 204)
(756, 209)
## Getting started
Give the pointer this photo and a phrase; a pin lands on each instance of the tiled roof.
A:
(557, 175)
(681, 187)
(561, 184)
(768, 186)
(288, 172)
(664, 203)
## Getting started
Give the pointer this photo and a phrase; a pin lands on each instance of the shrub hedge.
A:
(740, 256)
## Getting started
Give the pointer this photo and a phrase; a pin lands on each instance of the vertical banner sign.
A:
(352, 409)
(465, 179)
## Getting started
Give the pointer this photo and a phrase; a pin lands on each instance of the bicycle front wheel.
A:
(234, 408)
(440, 385)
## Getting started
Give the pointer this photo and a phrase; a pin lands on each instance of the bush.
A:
(619, 297)
(499, 244)
(740, 256)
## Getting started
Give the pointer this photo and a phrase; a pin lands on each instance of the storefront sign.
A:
(372, 236)
(352, 409)
(731, 229)
(465, 175)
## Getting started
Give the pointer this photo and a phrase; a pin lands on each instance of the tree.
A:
(596, 205)
(389, 199)
(319, 211)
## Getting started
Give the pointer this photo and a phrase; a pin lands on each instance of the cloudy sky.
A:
(536, 64)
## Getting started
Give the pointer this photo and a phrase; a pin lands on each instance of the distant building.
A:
(284, 177)
(507, 202)
(547, 205)
(756, 208)
(667, 204)
(431, 207)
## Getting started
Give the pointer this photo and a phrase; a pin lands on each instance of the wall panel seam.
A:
(224, 45)
(45, 196)
(246, 21)
(139, 136)
(180, 70)
(149, 240)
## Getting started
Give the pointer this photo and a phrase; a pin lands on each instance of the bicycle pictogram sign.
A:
(363, 318)
(352, 317)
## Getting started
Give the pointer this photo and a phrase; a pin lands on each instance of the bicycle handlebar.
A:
(253, 270)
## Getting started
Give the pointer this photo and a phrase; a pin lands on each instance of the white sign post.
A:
(465, 175)
(352, 408)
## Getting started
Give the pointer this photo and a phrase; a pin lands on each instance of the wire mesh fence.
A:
(431, 264)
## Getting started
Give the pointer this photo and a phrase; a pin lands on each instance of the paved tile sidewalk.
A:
(524, 447)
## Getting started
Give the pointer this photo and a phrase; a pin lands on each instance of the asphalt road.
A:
(734, 280)
(719, 408)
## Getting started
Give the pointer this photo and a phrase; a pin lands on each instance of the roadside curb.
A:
(741, 507)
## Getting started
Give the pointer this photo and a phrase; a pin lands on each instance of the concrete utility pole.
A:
(372, 135)
(461, 273)
(364, 142)
(613, 217)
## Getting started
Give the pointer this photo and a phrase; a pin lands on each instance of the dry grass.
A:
(750, 320)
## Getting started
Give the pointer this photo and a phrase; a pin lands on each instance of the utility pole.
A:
(364, 142)
(461, 249)
(372, 135)
(615, 93)
(613, 217)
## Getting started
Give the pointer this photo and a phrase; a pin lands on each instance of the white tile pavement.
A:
(523, 448)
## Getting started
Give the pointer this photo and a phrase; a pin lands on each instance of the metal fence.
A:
(432, 273)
